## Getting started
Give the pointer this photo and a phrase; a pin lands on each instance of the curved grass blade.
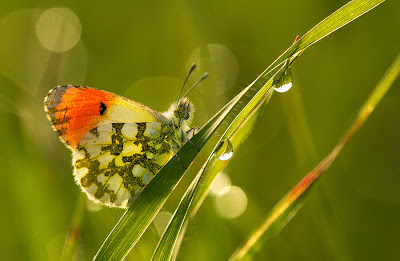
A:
(339, 18)
(244, 122)
(166, 245)
(333, 22)
(288, 206)
(165, 248)
(137, 218)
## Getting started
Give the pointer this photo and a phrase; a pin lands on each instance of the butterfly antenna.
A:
(187, 77)
(197, 83)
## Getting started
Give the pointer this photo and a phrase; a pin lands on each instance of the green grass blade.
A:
(242, 126)
(341, 17)
(333, 22)
(137, 218)
(282, 213)
(167, 242)
(171, 235)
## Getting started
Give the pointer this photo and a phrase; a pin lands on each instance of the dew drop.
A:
(285, 82)
(224, 150)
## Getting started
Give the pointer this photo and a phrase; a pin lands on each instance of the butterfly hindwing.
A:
(114, 162)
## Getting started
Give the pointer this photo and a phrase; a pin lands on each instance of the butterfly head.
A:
(183, 109)
(180, 113)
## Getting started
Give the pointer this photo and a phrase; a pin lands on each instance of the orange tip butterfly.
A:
(118, 145)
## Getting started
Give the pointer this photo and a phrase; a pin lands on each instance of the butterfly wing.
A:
(75, 110)
(118, 145)
(114, 162)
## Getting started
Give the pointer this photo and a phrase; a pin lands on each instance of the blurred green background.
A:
(143, 51)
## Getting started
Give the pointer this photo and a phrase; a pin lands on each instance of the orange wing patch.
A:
(75, 110)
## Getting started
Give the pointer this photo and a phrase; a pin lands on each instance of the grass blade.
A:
(137, 218)
(333, 22)
(339, 18)
(291, 203)
(168, 241)
(242, 125)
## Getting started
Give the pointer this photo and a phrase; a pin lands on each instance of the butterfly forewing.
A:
(114, 162)
(118, 145)
(75, 110)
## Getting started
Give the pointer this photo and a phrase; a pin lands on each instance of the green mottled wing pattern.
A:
(114, 162)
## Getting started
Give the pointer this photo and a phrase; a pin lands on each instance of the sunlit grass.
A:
(126, 233)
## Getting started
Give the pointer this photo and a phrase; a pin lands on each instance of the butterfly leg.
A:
(178, 158)
(182, 163)
(194, 145)
(190, 133)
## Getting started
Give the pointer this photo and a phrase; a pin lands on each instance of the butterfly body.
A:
(118, 145)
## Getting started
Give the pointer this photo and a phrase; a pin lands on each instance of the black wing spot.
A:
(103, 108)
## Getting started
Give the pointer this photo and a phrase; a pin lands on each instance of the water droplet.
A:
(285, 82)
(224, 150)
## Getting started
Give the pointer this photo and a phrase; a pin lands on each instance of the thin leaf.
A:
(166, 245)
(241, 126)
(336, 20)
(137, 218)
(282, 213)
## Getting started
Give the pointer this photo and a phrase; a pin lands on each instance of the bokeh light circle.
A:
(232, 203)
(58, 29)
(220, 185)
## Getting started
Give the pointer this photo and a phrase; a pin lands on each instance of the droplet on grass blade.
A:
(224, 150)
(284, 83)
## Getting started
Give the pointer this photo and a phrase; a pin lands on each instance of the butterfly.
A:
(118, 145)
